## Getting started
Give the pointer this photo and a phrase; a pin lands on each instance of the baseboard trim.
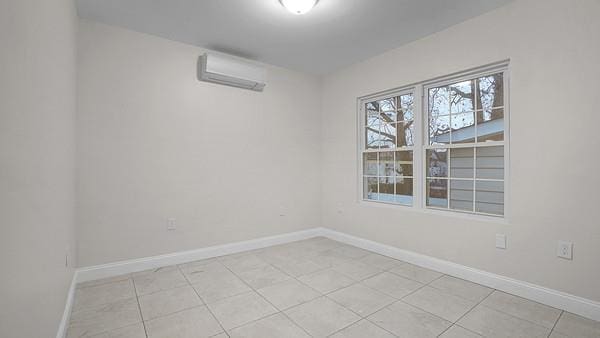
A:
(560, 300)
(141, 264)
(66, 317)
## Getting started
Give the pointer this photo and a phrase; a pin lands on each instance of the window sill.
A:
(502, 220)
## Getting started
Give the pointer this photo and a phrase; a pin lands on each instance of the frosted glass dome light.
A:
(298, 6)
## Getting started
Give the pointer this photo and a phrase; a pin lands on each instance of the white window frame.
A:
(421, 141)
(362, 139)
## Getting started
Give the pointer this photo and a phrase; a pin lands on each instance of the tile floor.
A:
(311, 288)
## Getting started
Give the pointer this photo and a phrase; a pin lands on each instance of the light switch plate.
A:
(565, 250)
(500, 241)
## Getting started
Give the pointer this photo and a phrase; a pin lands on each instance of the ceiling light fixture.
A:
(299, 6)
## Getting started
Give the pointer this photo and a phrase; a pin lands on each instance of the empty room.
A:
(299, 168)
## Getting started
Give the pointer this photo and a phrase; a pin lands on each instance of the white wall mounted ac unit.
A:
(231, 71)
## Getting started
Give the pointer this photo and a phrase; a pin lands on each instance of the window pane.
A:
(405, 133)
(439, 101)
(490, 125)
(463, 127)
(386, 189)
(405, 113)
(437, 163)
(461, 162)
(404, 163)
(437, 193)
(372, 138)
(370, 164)
(490, 92)
(370, 190)
(388, 135)
(439, 130)
(404, 191)
(489, 197)
(386, 163)
(490, 162)
(387, 104)
(461, 97)
(461, 195)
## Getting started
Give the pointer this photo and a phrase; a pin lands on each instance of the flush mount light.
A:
(298, 6)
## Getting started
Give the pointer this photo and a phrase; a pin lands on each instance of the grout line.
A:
(466, 313)
(556, 322)
(265, 299)
(137, 299)
(205, 304)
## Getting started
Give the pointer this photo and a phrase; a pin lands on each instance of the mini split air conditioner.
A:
(231, 71)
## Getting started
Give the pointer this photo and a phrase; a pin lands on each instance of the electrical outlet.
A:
(565, 250)
(501, 241)
(171, 224)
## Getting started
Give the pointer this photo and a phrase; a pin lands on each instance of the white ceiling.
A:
(335, 34)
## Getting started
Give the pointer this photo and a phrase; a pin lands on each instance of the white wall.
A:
(154, 142)
(554, 50)
(37, 116)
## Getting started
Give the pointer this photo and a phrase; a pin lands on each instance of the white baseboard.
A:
(141, 264)
(560, 300)
(66, 317)
(564, 301)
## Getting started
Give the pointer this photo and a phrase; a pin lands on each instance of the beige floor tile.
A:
(275, 326)
(357, 270)
(363, 329)
(192, 323)
(416, 273)
(287, 294)
(241, 309)
(458, 332)
(220, 335)
(379, 261)
(103, 318)
(576, 326)
(321, 317)
(351, 252)
(263, 276)
(241, 263)
(132, 331)
(555, 334)
(216, 286)
(439, 303)
(361, 299)
(461, 288)
(537, 313)
(200, 271)
(158, 280)
(196, 264)
(103, 294)
(97, 282)
(298, 267)
(326, 280)
(407, 321)
(491, 323)
(162, 303)
(392, 284)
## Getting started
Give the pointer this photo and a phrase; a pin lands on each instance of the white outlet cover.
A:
(501, 241)
(171, 224)
(565, 250)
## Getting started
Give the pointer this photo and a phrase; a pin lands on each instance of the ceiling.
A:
(335, 34)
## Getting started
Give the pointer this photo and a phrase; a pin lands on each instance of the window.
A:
(388, 150)
(460, 150)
